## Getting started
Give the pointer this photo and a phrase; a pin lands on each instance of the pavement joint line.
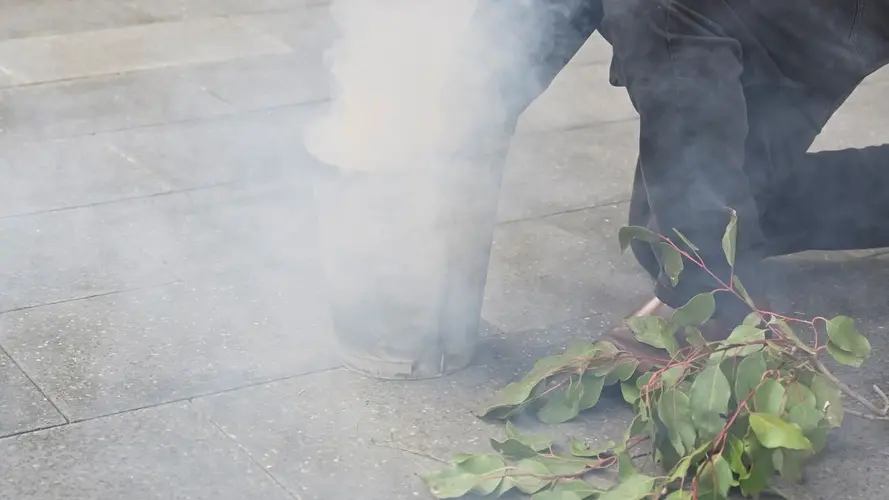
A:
(160, 194)
(39, 389)
(87, 297)
(564, 212)
(186, 399)
(250, 456)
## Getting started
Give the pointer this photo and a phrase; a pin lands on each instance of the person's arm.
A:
(683, 75)
(512, 51)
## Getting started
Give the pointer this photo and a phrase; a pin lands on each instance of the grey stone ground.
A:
(161, 332)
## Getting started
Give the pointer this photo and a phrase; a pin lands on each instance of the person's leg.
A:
(512, 51)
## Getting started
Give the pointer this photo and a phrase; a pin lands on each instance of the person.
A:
(730, 95)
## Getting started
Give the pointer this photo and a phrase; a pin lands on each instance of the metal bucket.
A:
(405, 255)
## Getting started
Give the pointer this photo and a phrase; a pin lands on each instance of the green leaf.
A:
(489, 469)
(736, 458)
(730, 238)
(806, 417)
(582, 449)
(679, 495)
(537, 442)
(580, 489)
(761, 469)
(697, 311)
(562, 404)
(592, 390)
(671, 376)
(773, 432)
(787, 331)
(621, 372)
(564, 466)
(790, 464)
(581, 350)
(818, 437)
(709, 399)
(654, 331)
(672, 261)
(625, 466)
(449, 483)
(829, 398)
(741, 335)
(675, 412)
(630, 392)
(769, 398)
(685, 240)
(694, 336)
(750, 372)
(845, 335)
(557, 495)
(513, 449)
(752, 319)
(529, 475)
(739, 287)
(800, 395)
(635, 487)
(842, 356)
(629, 233)
(481, 474)
(511, 396)
(716, 479)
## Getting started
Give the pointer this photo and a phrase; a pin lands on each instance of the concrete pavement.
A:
(161, 328)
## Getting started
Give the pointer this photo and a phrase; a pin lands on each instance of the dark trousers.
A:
(731, 94)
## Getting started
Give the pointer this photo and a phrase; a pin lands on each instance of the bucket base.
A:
(394, 369)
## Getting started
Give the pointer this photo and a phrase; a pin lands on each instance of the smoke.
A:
(392, 67)
(407, 221)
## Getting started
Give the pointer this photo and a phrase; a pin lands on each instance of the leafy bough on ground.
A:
(715, 416)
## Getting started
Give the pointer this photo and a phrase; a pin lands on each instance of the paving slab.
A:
(341, 435)
(22, 407)
(567, 266)
(160, 453)
(863, 120)
(264, 82)
(53, 174)
(557, 171)
(595, 51)
(81, 107)
(307, 29)
(68, 254)
(240, 147)
(826, 284)
(29, 18)
(132, 48)
(238, 227)
(129, 350)
(187, 9)
(581, 95)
